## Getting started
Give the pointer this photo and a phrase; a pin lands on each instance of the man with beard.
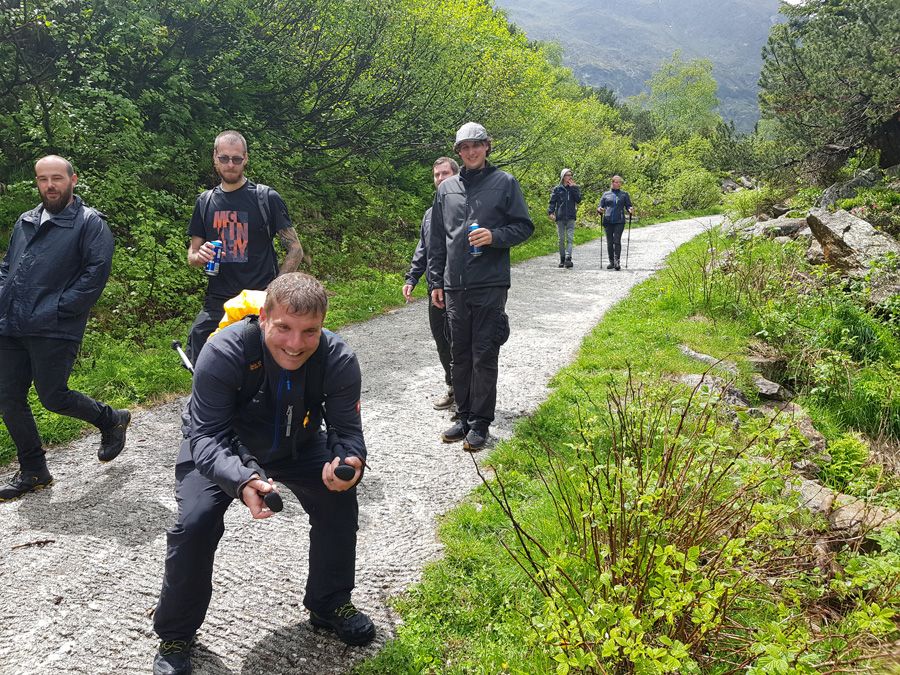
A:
(56, 267)
(245, 217)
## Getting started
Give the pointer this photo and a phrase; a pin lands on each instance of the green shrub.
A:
(693, 189)
(849, 454)
(745, 203)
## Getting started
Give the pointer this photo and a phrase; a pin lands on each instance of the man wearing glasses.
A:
(245, 217)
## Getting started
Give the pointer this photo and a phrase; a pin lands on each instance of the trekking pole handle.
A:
(272, 498)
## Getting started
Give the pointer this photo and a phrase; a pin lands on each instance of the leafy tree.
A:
(830, 80)
(682, 98)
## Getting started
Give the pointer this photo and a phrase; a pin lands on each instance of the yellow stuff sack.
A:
(241, 305)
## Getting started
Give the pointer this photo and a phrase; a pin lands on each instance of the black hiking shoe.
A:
(618, 267)
(173, 658)
(444, 401)
(352, 626)
(25, 481)
(568, 263)
(475, 439)
(455, 433)
(611, 266)
(562, 263)
(112, 440)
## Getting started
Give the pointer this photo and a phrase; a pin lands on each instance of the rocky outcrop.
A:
(849, 188)
(849, 243)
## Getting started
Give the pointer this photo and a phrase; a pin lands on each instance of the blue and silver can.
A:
(474, 250)
(212, 267)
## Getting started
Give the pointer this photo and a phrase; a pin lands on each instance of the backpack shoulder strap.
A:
(253, 359)
(314, 389)
(262, 199)
(205, 200)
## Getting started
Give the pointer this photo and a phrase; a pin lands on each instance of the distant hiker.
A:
(614, 204)
(55, 268)
(443, 168)
(245, 217)
(253, 387)
(476, 217)
(563, 210)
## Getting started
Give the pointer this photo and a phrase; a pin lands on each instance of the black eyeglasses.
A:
(225, 159)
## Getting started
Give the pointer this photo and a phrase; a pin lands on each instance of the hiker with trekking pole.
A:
(614, 205)
(273, 398)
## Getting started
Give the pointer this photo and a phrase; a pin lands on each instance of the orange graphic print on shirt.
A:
(233, 228)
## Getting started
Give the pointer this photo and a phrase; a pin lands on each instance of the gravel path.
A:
(81, 563)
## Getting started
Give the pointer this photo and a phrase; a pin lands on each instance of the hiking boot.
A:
(455, 433)
(173, 658)
(568, 263)
(25, 481)
(475, 439)
(562, 263)
(611, 266)
(444, 401)
(112, 440)
(352, 626)
(618, 267)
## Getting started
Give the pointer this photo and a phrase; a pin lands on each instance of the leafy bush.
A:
(849, 454)
(693, 189)
(878, 206)
(745, 203)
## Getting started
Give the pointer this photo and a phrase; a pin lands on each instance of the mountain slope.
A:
(619, 43)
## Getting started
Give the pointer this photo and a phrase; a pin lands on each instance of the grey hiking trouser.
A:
(565, 229)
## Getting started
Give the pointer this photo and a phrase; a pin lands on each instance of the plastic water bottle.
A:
(474, 250)
(212, 267)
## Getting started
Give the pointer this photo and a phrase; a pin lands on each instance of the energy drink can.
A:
(474, 250)
(212, 267)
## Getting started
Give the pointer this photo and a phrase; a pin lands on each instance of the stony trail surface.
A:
(81, 562)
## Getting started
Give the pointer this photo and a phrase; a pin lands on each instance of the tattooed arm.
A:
(294, 250)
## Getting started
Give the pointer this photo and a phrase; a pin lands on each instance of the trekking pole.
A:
(185, 361)
(602, 243)
(628, 241)
(272, 499)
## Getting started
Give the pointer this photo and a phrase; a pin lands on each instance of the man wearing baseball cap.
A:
(477, 216)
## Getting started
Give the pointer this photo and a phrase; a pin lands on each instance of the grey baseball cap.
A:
(470, 131)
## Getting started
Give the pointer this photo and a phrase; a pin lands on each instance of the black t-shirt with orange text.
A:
(248, 255)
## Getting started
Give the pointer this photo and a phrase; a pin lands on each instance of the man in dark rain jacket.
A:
(56, 267)
(476, 217)
(284, 431)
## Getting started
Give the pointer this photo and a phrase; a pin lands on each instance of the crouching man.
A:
(268, 387)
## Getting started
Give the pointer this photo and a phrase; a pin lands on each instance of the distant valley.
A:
(619, 43)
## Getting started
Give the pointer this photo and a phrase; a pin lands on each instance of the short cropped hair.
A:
(298, 293)
(454, 167)
(230, 135)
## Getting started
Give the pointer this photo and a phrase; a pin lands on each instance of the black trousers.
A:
(478, 328)
(614, 240)
(437, 319)
(48, 363)
(192, 542)
(204, 324)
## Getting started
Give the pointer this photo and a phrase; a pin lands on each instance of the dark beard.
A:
(54, 206)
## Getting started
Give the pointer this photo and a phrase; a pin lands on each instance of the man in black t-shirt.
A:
(234, 212)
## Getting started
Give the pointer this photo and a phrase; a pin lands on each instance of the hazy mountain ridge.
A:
(619, 43)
